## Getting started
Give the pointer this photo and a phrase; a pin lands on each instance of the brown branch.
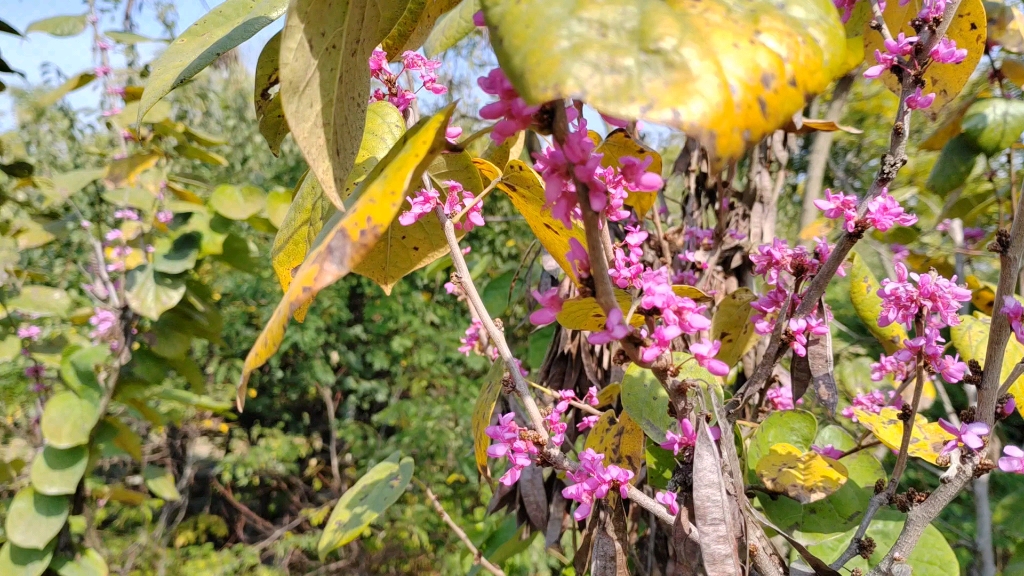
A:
(242, 508)
(325, 393)
(478, 558)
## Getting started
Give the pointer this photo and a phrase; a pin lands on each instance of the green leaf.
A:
(34, 519)
(18, 561)
(151, 293)
(129, 38)
(661, 464)
(178, 255)
(646, 401)
(796, 427)
(73, 83)
(868, 305)
(10, 347)
(69, 183)
(238, 255)
(451, 27)
(267, 95)
(68, 420)
(112, 433)
(18, 169)
(415, 24)
(755, 69)
(368, 498)
(278, 202)
(61, 26)
(88, 563)
(326, 44)
(197, 153)
(195, 400)
(41, 301)
(221, 29)
(931, 557)
(495, 294)
(161, 483)
(237, 202)
(993, 124)
(954, 165)
(56, 471)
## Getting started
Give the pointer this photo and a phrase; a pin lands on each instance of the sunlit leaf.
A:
(795, 427)
(970, 337)
(368, 498)
(18, 561)
(225, 26)
(805, 476)
(993, 124)
(161, 483)
(177, 255)
(87, 563)
(349, 236)
(645, 399)
(125, 171)
(326, 44)
(451, 27)
(68, 420)
(946, 80)
(69, 183)
(414, 26)
(60, 26)
(129, 38)
(1013, 70)
(237, 202)
(482, 411)
(754, 71)
(151, 293)
(620, 144)
(1005, 26)
(661, 465)
(926, 439)
(948, 128)
(868, 305)
(35, 300)
(73, 83)
(201, 154)
(56, 471)
(732, 325)
(33, 519)
(620, 439)
(584, 313)
(267, 95)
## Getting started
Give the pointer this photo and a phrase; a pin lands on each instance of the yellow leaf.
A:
(691, 292)
(945, 80)
(415, 25)
(983, 294)
(348, 237)
(1013, 70)
(310, 208)
(526, 190)
(808, 125)
(619, 144)
(754, 62)
(584, 313)
(510, 149)
(326, 44)
(732, 325)
(481, 419)
(926, 440)
(488, 172)
(803, 476)
(608, 395)
(868, 305)
(621, 440)
(1006, 27)
(970, 337)
(125, 171)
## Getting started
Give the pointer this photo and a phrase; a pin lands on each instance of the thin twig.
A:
(479, 198)
(325, 393)
(478, 558)
(585, 407)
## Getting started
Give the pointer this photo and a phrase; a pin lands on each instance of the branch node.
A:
(1001, 245)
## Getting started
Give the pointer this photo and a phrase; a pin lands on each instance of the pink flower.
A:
(668, 500)
(587, 422)
(472, 337)
(1012, 460)
(578, 258)
(970, 435)
(704, 352)
(593, 481)
(452, 134)
(637, 178)
(508, 444)
(946, 52)
(902, 300)
(478, 19)
(828, 451)
(164, 216)
(872, 402)
(839, 204)
(30, 332)
(422, 204)
(885, 62)
(1014, 311)
(884, 212)
(901, 45)
(126, 214)
(919, 101)
(614, 329)
(104, 323)
(378, 64)
(101, 71)
(951, 368)
(781, 397)
(1009, 406)
(591, 396)
(676, 442)
(113, 235)
(551, 305)
(510, 110)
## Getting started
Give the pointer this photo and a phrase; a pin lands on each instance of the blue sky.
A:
(74, 55)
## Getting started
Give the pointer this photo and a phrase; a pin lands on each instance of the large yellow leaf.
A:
(404, 249)
(803, 476)
(415, 25)
(584, 313)
(968, 29)
(348, 237)
(621, 440)
(868, 305)
(926, 440)
(324, 87)
(310, 208)
(482, 411)
(970, 337)
(732, 325)
(619, 144)
(727, 73)
(526, 190)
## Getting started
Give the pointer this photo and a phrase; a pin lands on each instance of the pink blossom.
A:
(35, 372)
(932, 9)
(30, 332)
(828, 451)
(422, 204)
(889, 366)
(551, 305)
(452, 134)
(839, 204)
(102, 71)
(378, 64)
(472, 337)
(587, 422)
(668, 500)
(901, 45)
(1014, 312)
(970, 435)
(885, 62)
(637, 178)
(126, 214)
(1009, 406)
(846, 7)
(591, 396)
(946, 52)
(104, 323)
(592, 482)
(872, 402)
(1012, 460)
(113, 235)
(614, 329)
(676, 442)
(705, 352)
(899, 252)
(474, 216)
(884, 212)
(781, 397)
(510, 110)
(164, 216)
(950, 367)
(902, 300)
(920, 101)
(478, 19)
(508, 444)
(578, 258)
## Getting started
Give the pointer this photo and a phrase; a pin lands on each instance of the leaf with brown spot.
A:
(348, 237)
(926, 439)
(266, 95)
(803, 476)
(732, 325)
(620, 144)
(584, 313)
(621, 440)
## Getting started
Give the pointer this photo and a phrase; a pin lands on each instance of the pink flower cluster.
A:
(781, 266)
(781, 398)
(30, 332)
(668, 500)
(626, 268)
(507, 443)
(511, 111)
(553, 420)
(800, 328)
(944, 52)
(970, 435)
(828, 451)
(883, 211)
(1014, 311)
(592, 482)
(704, 353)
(104, 326)
(551, 305)
(872, 402)
(458, 199)
(679, 314)
(425, 68)
(676, 442)
(615, 328)
(471, 340)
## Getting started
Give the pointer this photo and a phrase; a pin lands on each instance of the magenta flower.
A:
(1012, 460)
(951, 368)
(551, 305)
(587, 422)
(510, 110)
(838, 204)
(919, 101)
(884, 211)
(668, 500)
(1009, 406)
(676, 442)
(164, 216)
(946, 52)
(885, 62)
(781, 397)
(1014, 311)
(422, 204)
(472, 337)
(104, 324)
(578, 258)
(970, 435)
(592, 482)
(478, 19)
(704, 352)
(113, 235)
(828, 451)
(591, 396)
(35, 372)
(452, 134)
(508, 444)
(30, 332)
(614, 329)
(901, 45)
